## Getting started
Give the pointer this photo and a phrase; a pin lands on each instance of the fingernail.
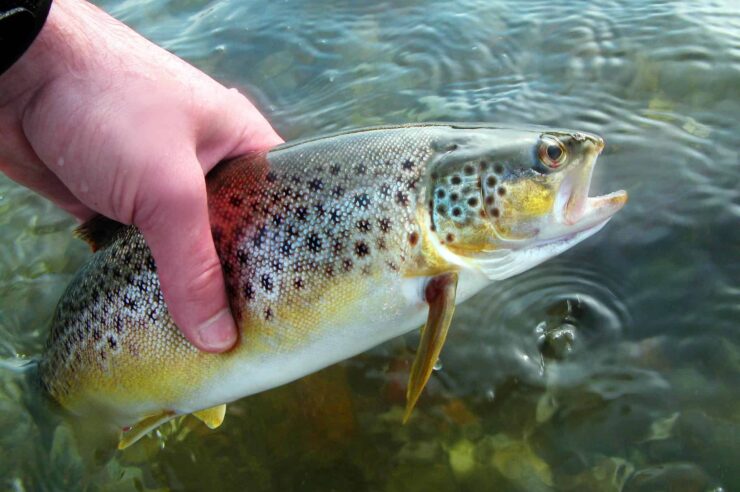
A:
(218, 333)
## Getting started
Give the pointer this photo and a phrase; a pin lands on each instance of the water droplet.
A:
(437, 365)
(490, 394)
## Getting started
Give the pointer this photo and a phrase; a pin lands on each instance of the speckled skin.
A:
(326, 246)
(303, 234)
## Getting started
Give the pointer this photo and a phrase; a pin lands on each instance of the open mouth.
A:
(579, 211)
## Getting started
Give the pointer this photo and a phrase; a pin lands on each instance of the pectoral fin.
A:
(139, 430)
(440, 295)
(213, 417)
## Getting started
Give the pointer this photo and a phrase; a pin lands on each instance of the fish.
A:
(329, 246)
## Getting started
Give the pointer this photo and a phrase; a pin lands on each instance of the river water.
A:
(613, 367)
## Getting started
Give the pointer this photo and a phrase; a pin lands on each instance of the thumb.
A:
(174, 221)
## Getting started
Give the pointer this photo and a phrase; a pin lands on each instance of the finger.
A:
(234, 127)
(173, 217)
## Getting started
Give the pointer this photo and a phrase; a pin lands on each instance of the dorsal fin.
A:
(99, 231)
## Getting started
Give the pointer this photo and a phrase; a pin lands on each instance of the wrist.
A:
(58, 48)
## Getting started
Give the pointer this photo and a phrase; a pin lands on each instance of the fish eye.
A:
(552, 153)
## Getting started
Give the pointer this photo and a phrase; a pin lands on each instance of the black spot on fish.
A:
(441, 194)
(266, 282)
(501, 191)
(385, 224)
(454, 197)
(337, 247)
(362, 200)
(450, 237)
(364, 225)
(112, 343)
(320, 210)
(468, 170)
(248, 291)
(385, 190)
(287, 247)
(235, 201)
(259, 237)
(334, 169)
(335, 216)
(242, 257)
(441, 209)
(490, 200)
(362, 249)
(495, 212)
(347, 264)
(268, 314)
(316, 184)
(456, 180)
(456, 212)
(413, 238)
(271, 177)
(491, 181)
(329, 270)
(407, 165)
(402, 198)
(314, 242)
(498, 169)
(473, 202)
(337, 192)
(301, 212)
(298, 283)
(361, 169)
(277, 219)
(292, 231)
(483, 165)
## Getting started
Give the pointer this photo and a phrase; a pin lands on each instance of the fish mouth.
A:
(578, 211)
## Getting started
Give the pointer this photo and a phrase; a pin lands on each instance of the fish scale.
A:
(329, 247)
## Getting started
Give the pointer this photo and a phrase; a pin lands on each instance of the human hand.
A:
(98, 119)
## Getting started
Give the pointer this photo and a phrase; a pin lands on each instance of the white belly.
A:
(387, 313)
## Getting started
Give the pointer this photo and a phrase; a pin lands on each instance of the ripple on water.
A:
(503, 331)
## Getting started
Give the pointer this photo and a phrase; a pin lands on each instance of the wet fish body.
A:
(329, 247)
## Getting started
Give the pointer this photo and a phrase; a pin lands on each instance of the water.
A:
(613, 367)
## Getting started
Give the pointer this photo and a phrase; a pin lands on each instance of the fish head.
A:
(506, 199)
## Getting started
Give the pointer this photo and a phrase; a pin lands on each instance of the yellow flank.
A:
(298, 320)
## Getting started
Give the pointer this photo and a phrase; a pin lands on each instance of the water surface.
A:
(613, 367)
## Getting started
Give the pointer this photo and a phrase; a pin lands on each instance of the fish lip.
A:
(579, 211)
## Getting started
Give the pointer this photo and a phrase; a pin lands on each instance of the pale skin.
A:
(99, 120)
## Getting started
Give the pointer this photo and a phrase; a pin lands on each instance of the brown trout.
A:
(329, 247)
